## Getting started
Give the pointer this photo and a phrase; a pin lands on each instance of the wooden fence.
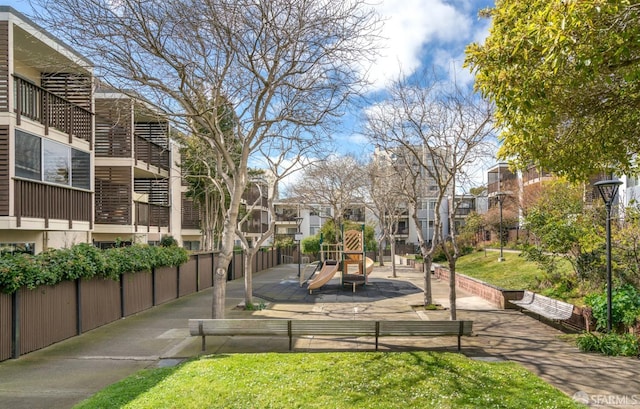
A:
(33, 319)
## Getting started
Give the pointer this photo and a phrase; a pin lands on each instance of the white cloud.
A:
(410, 27)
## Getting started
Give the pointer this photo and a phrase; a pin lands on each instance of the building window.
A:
(17, 248)
(52, 162)
(28, 154)
(80, 169)
(192, 245)
(55, 163)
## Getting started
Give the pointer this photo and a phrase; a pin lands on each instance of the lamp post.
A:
(298, 238)
(500, 196)
(608, 190)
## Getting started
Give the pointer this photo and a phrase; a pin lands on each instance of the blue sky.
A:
(418, 34)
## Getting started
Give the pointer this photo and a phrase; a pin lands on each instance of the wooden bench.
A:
(302, 327)
(545, 306)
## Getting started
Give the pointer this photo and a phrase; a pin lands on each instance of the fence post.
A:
(153, 286)
(78, 306)
(197, 272)
(177, 282)
(121, 295)
(15, 325)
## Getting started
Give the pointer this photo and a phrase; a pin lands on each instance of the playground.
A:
(348, 258)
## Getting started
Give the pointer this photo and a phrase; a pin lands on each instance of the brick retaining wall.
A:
(581, 318)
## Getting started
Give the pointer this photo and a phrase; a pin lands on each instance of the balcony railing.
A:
(151, 153)
(151, 215)
(190, 214)
(286, 217)
(40, 105)
(463, 211)
(44, 201)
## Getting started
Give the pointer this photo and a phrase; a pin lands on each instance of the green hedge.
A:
(83, 261)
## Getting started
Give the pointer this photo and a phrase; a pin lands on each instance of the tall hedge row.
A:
(83, 261)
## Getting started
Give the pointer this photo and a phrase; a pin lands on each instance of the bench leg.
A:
(203, 344)
(459, 343)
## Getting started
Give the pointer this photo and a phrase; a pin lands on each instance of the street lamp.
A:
(500, 196)
(608, 190)
(298, 238)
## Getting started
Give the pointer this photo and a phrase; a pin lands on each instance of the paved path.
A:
(63, 374)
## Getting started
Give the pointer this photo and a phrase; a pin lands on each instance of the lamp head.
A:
(608, 190)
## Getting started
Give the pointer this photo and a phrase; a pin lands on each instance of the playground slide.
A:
(369, 265)
(323, 277)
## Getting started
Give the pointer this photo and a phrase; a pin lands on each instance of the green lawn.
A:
(334, 380)
(515, 273)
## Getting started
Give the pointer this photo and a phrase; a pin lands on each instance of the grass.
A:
(334, 380)
(514, 273)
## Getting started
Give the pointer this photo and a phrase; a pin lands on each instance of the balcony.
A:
(286, 217)
(190, 213)
(464, 211)
(38, 104)
(151, 153)
(45, 201)
(148, 215)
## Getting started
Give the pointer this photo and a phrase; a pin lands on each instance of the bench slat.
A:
(432, 328)
(333, 327)
(239, 327)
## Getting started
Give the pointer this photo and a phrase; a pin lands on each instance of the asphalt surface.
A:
(68, 372)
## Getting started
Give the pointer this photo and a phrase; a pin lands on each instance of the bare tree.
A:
(437, 131)
(337, 182)
(281, 157)
(274, 61)
(387, 202)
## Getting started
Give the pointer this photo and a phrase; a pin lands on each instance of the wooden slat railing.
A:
(52, 111)
(45, 201)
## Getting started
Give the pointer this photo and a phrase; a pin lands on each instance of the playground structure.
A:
(348, 254)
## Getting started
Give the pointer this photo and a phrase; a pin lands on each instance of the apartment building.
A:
(80, 162)
(132, 170)
(46, 139)
(427, 193)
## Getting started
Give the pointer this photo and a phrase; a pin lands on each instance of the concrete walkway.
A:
(65, 373)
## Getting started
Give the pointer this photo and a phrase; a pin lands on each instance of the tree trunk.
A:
(249, 255)
(393, 257)
(219, 289)
(381, 252)
(428, 298)
(452, 290)
(225, 257)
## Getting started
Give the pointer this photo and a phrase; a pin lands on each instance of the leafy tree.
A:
(565, 79)
(473, 229)
(626, 247)
(561, 226)
(311, 245)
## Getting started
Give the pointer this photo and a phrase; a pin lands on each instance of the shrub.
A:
(83, 261)
(609, 344)
(311, 245)
(168, 241)
(625, 306)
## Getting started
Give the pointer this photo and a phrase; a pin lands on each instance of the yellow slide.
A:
(323, 277)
